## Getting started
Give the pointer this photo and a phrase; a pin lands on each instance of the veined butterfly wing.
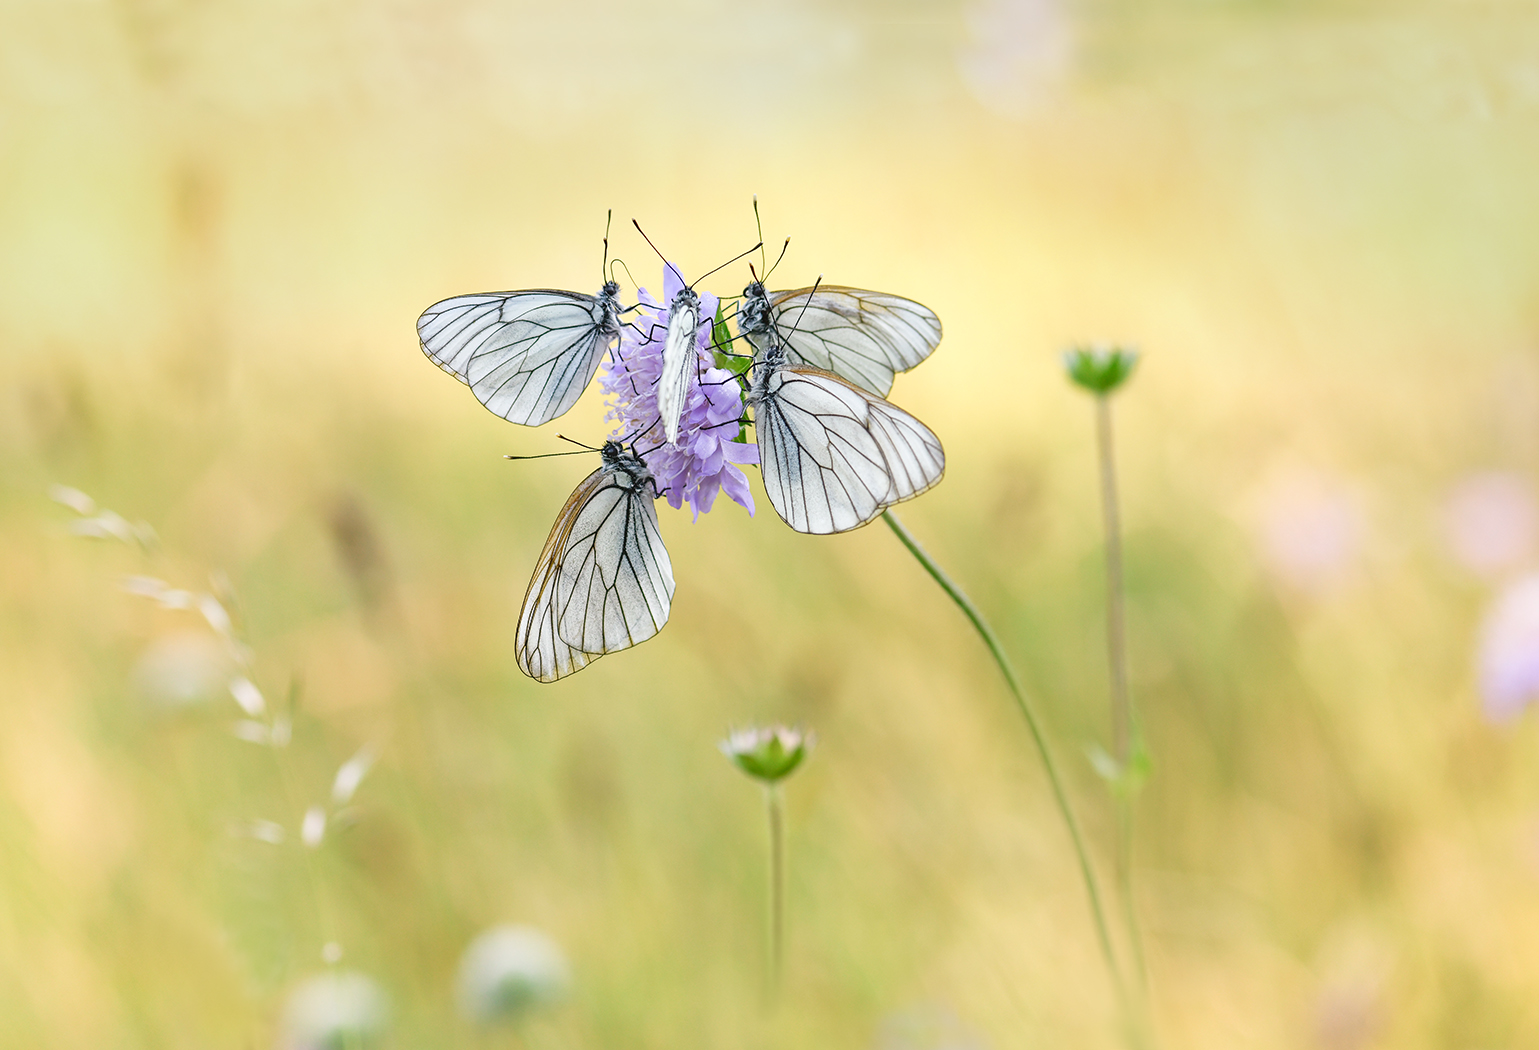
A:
(680, 359)
(915, 459)
(862, 336)
(603, 581)
(526, 355)
(833, 456)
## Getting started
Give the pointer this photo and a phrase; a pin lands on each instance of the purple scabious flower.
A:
(706, 458)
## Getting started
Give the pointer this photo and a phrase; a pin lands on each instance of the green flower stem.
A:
(987, 634)
(774, 805)
(1117, 658)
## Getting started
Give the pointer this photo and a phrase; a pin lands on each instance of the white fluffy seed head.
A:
(509, 971)
(331, 1010)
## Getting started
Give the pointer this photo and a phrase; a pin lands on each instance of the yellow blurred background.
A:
(219, 220)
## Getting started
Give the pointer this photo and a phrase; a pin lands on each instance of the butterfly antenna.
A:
(660, 255)
(548, 455)
(726, 264)
(608, 221)
(621, 264)
(782, 255)
(640, 434)
(810, 294)
(579, 444)
(758, 225)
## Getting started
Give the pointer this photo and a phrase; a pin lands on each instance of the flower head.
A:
(1100, 369)
(769, 754)
(706, 458)
(336, 1009)
(509, 970)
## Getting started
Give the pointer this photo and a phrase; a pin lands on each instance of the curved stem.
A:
(1059, 795)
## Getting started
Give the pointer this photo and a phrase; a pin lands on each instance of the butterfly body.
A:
(603, 581)
(526, 355)
(680, 359)
(834, 456)
(862, 336)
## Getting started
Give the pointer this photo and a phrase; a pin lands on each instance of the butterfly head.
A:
(626, 463)
(753, 314)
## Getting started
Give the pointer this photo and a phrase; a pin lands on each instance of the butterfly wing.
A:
(862, 336)
(603, 581)
(823, 468)
(616, 585)
(527, 356)
(915, 459)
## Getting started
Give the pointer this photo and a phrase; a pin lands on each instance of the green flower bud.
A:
(769, 754)
(1100, 369)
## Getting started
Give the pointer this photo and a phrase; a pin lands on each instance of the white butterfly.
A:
(832, 455)
(680, 360)
(864, 337)
(526, 355)
(603, 581)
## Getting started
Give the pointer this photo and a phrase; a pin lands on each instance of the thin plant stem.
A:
(1123, 725)
(774, 806)
(1087, 872)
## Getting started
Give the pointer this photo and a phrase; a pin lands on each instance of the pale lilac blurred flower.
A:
(333, 1010)
(1350, 1006)
(1310, 528)
(1509, 651)
(509, 970)
(1491, 520)
(706, 458)
(1018, 54)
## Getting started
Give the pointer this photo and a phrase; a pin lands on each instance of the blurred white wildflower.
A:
(100, 524)
(74, 499)
(1310, 528)
(509, 970)
(248, 696)
(1017, 55)
(181, 669)
(313, 830)
(254, 732)
(263, 831)
(351, 775)
(1509, 651)
(333, 1010)
(1491, 520)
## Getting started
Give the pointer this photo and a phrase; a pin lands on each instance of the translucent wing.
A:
(915, 459)
(823, 468)
(527, 356)
(616, 585)
(680, 358)
(865, 337)
(603, 582)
